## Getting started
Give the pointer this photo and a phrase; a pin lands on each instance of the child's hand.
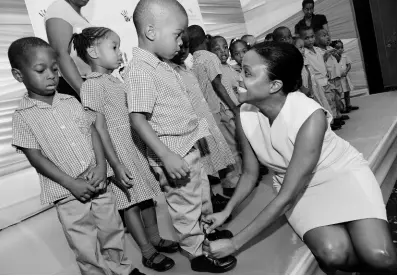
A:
(123, 175)
(82, 190)
(96, 175)
(121, 186)
(175, 166)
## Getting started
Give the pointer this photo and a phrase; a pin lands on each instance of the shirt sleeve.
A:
(213, 68)
(93, 95)
(141, 91)
(22, 135)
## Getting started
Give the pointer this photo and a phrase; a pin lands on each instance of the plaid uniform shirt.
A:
(207, 66)
(318, 65)
(154, 88)
(61, 132)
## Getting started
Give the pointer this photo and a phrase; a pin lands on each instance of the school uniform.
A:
(104, 93)
(154, 88)
(207, 67)
(215, 151)
(346, 83)
(62, 133)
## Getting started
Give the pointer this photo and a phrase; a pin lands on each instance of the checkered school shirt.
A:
(207, 66)
(61, 132)
(153, 87)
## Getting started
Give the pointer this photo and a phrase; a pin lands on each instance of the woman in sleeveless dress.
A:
(324, 185)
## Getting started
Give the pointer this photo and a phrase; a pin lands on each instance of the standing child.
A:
(221, 100)
(308, 83)
(322, 40)
(60, 142)
(104, 94)
(238, 48)
(163, 117)
(345, 64)
(314, 56)
(216, 155)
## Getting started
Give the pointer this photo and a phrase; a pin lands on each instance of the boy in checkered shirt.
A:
(60, 142)
(163, 117)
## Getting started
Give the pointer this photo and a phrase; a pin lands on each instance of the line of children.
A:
(163, 117)
(208, 70)
(103, 94)
(58, 138)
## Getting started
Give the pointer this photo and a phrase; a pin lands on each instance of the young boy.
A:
(314, 56)
(282, 34)
(163, 117)
(322, 40)
(209, 72)
(59, 140)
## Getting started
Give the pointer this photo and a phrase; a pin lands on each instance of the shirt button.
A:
(63, 127)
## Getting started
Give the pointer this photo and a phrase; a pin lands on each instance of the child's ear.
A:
(16, 73)
(150, 32)
(92, 52)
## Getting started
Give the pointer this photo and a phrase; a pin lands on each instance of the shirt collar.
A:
(95, 75)
(144, 55)
(28, 102)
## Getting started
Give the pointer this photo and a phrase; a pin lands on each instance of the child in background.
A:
(238, 48)
(59, 140)
(269, 38)
(345, 63)
(322, 40)
(230, 78)
(325, 92)
(282, 34)
(163, 117)
(207, 68)
(216, 155)
(249, 39)
(103, 94)
(308, 82)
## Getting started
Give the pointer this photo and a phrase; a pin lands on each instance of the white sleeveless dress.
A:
(342, 189)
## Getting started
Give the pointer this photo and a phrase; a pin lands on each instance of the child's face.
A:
(308, 37)
(322, 38)
(220, 47)
(239, 49)
(168, 35)
(39, 72)
(308, 10)
(108, 51)
(285, 36)
(184, 51)
(300, 45)
(340, 48)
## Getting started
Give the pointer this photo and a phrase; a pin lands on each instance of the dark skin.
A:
(39, 73)
(308, 11)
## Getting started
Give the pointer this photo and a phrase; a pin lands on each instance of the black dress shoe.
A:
(164, 265)
(205, 264)
(228, 191)
(352, 107)
(220, 234)
(213, 180)
(135, 271)
(335, 126)
(172, 248)
(344, 117)
(219, 202)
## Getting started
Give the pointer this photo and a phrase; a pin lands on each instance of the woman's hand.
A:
(215, 220)
(219, 248)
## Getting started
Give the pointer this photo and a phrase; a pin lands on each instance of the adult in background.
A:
(316, 21)
(63, 18)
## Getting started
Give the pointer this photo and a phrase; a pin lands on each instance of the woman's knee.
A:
(382, 260)
(333, 256)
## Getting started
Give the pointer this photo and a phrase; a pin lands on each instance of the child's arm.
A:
(175, 166)
(97, 175)
(223, 94)
(347, 70)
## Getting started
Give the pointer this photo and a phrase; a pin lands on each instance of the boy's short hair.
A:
(143, 10)
(304, 28)
(20, 47)
(276, 32)
(196, 36)
(305, 2)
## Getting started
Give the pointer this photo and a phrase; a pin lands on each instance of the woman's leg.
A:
(332, 247)
(372, 241)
